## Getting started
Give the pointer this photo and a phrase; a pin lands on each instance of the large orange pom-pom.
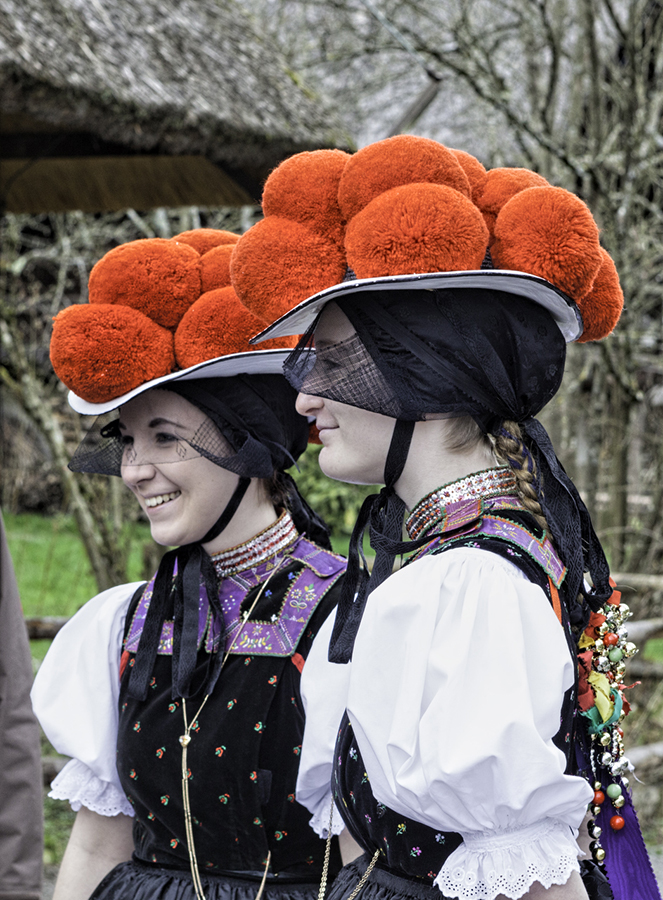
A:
(498, 186)
(549, 232)
(102, 351)
(602, 306)
(474, 170)
(203, 239)
(215, 325)
(416, 228)
(279, 263)
(400, 160)
(215, 267)
(304, 188)
(161, 278)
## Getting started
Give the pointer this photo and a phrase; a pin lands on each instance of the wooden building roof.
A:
(106, 104)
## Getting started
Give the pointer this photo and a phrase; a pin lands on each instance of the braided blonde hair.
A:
(509, 448)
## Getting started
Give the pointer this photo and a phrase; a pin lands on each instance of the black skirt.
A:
(382, 884)
(133, 880)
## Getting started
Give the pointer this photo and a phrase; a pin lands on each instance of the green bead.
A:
(613, 791)
(615, 655)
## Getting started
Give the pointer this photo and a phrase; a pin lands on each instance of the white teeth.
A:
(160, 498)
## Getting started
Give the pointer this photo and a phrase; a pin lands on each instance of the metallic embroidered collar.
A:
(497, 482)
(259, 549)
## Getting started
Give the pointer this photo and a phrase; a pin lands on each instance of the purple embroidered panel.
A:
(627, 862)
(478, 517)
(278, 637)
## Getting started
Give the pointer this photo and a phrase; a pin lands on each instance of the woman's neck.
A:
(430, 464)
(255, 513)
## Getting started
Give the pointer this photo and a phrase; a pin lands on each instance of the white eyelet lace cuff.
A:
(319, 822)
(81, 787)
(509, 862)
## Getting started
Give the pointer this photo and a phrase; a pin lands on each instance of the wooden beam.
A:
(107, 183)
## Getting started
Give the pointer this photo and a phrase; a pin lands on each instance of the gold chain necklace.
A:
(185, 740)
(325, 866)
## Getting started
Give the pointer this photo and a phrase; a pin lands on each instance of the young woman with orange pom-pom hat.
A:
(179, 700)
(467, 752)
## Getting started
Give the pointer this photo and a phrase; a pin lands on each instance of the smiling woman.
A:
(180, 490)
(197, 671)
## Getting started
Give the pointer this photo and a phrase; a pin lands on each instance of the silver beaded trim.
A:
(259, 549)
(494, 482)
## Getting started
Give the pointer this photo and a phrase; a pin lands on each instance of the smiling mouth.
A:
(160, 499)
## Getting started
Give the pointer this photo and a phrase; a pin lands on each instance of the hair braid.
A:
(510, 449)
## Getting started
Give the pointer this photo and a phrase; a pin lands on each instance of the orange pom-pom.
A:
(400, 160)
(160, 278)
(498, 186)
(203, 239)
(279, 263)
(215, 325)
(602, 306)
(474, 170)
(215, 267)
(549, 232)
(416, 228)
(102, 351)
(304, 188)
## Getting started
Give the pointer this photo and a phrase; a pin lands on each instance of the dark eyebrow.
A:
(154, 423)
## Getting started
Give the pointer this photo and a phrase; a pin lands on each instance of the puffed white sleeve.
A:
(324, 688)
(458, 677)
(75, 698)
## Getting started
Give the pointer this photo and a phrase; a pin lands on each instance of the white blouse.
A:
(75, 698)
(454, 694)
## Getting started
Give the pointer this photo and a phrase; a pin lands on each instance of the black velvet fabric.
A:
(137, 881)
(382, 884)
(243, 758)
(407, 847)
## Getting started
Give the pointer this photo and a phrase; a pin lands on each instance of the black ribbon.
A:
(179, 597)
(568, 518)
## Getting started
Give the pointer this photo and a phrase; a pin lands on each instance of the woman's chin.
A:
(341, 469)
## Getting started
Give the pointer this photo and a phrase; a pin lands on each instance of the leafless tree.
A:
(574, 90)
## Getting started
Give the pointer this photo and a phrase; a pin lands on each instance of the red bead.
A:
(620, 731)
(617, 823)
(610, 639)
(599, 797)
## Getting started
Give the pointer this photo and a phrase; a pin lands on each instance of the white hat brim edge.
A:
(562, 308)
(252, 362)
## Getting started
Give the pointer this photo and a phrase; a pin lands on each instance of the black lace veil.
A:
(477, 352)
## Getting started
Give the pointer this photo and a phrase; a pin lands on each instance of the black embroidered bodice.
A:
(408, 847)
(244, 754)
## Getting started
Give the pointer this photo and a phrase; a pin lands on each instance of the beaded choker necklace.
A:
(497, 482)
(259, 549)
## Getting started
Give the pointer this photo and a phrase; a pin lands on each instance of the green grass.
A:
(58, 820)
(52, 568)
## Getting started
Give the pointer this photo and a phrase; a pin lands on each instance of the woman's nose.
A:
(308, 404)
(135, 473)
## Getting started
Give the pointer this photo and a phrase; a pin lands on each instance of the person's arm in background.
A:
(97, 844)
(21, 801)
